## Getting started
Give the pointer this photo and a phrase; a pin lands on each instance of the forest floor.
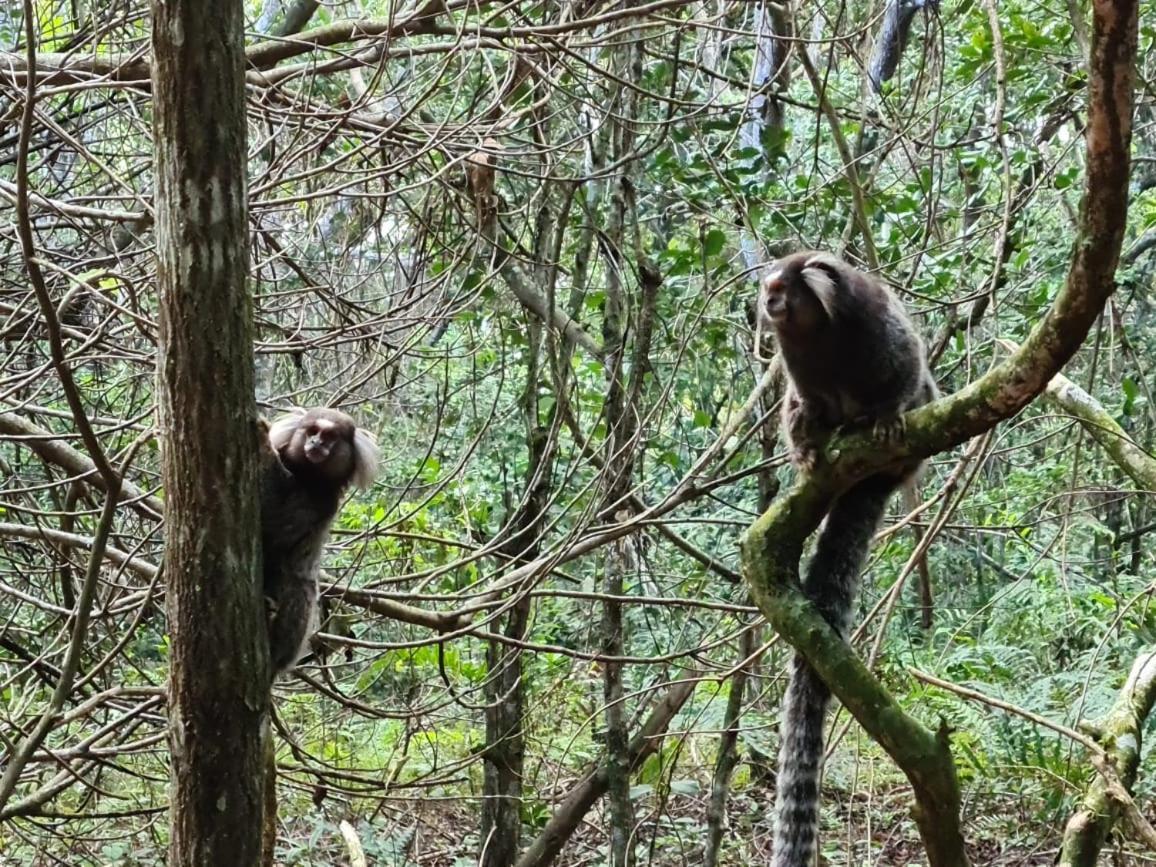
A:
(858, 831)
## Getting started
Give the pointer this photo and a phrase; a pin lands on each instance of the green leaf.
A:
(714, 242)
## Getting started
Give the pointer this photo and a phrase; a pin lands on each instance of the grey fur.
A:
(300, 497)
(892, 38)
(852, 357)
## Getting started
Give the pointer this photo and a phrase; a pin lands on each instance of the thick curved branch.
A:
(770, 557)
(1015, 382)
(773, 545)
(137, 565)
(433, 18)
(1097, 421)
(435, 620)
(569, 815)
(539, 305)
(1108, 798)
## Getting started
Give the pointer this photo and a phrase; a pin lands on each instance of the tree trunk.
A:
(505, 754)
(218, 682)
(504, 757)
(728, 753)
(645, 743)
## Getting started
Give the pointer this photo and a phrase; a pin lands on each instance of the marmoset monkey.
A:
(852, 357)
(313, 456)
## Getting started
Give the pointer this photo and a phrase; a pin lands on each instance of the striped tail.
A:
(831, 583)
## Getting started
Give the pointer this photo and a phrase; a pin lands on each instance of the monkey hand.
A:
(890, 428)
(805, 433)
(805, 456)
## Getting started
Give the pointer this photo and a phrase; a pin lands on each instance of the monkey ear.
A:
(282, 428)
(821, 274)
(365, 455)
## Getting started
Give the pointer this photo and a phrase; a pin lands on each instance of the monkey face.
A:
(799, 293)
(325, 446)
(775, 303)
(323, 440)
(324, 443)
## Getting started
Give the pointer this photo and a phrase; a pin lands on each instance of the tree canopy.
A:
(520, 243)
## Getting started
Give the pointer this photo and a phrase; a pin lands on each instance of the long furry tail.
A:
(892, 38)
(831, 583)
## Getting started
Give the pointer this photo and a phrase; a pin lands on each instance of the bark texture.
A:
(218, 685)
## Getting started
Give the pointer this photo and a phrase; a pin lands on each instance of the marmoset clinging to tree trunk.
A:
(313, 456)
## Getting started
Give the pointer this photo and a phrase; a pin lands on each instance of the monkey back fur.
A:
(295, 527)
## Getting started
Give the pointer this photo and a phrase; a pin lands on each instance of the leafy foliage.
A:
(381, 285)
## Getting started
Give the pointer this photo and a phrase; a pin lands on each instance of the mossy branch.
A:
(770, 557)
(774, 543)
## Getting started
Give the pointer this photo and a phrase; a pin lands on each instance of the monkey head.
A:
(326, 447)
(801, 292)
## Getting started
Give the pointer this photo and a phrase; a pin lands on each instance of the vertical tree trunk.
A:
(618, 472)
(622, 409)
(218, 682)
(613, 694)
(728, 753)
(504, 757)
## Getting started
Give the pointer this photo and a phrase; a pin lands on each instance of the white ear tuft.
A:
(820, 281)
(365, 455)
(823, 259)
(282, 428)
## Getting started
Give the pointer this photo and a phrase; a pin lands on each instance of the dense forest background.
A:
(519, 242)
